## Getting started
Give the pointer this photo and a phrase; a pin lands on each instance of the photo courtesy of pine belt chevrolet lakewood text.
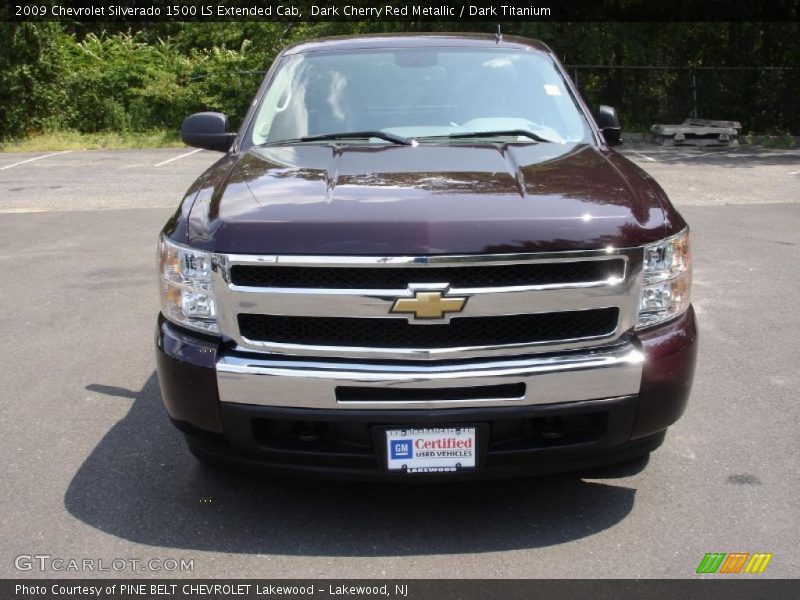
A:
(420, 258)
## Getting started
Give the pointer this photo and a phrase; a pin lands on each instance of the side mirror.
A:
(207, 130)
(608, 122)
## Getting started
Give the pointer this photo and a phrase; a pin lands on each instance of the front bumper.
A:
(486, 383)
(537, 413)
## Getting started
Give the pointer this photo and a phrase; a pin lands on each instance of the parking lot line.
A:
(691, 155)
(644, 156)
(795, 173)
(22, 162)
(22, 210)
(180, 156)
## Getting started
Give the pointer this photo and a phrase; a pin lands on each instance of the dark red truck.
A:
(419, 256)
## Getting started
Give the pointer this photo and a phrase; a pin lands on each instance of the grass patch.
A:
(783, 141)
(73, 140)
(779, 141)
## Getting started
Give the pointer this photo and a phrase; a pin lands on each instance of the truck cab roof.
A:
(411, 40)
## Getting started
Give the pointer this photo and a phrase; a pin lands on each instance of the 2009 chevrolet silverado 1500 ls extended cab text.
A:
(419, 256)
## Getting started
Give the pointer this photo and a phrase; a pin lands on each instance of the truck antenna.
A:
(498, 37)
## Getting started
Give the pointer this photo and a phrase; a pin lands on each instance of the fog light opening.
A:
(310, 431)
(553, 428)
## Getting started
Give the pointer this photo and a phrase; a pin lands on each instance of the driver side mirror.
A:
(207, 130)
(608, 122)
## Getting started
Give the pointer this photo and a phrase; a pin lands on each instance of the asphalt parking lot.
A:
(91, 467)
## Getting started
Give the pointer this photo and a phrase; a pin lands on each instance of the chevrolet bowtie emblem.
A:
(428, 305)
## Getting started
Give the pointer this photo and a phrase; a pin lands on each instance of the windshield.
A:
(418, 93)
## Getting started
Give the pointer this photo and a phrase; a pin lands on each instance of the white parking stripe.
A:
(644, 156)
(21, 210)
(22, 162)
(684, 156)
(169, 160)
(795, 173)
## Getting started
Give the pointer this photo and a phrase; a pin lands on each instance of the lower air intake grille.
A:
(398, 333)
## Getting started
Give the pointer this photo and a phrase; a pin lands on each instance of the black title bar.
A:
(729, 588)
(505, 11)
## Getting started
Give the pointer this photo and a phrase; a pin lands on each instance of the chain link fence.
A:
(763, 99)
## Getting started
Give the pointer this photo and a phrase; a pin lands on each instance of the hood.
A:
(425, 199)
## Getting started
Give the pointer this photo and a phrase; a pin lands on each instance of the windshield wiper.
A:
(499, 133)
(351, 135)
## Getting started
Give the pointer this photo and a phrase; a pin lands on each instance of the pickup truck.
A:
(420, 257)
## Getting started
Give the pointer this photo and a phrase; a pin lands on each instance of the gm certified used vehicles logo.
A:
(402, 449)
(428, 304)
(716, 562)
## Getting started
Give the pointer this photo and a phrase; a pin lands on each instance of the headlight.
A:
(187, 297)
(667, 280)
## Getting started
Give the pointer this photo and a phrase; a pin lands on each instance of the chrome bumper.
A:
(302, 383)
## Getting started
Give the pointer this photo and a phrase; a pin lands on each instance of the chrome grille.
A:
(340, 306)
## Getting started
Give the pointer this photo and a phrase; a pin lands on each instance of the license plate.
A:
(431, 450)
